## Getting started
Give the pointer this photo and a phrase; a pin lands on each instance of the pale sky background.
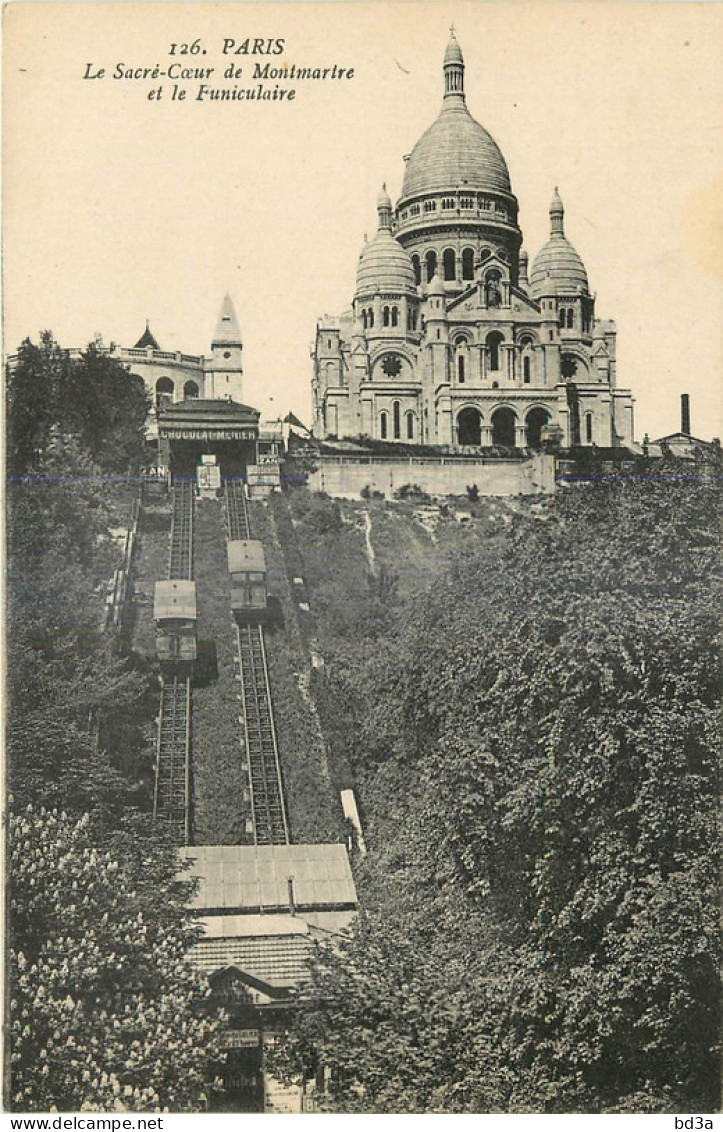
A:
(117, 208)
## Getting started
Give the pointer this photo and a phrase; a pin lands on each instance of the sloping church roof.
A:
(146, 339)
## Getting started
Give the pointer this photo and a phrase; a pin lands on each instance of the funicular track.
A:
(180, 563)
(172, 790)
(237, 514)
(172, 794)
(268, 807)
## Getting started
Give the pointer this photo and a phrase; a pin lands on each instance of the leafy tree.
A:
(106, 1011)
(106, 407)
(32, 389)
(93, 399)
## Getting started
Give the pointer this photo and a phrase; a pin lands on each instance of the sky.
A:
(120, 207)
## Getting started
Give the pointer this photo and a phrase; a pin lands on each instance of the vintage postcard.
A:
(363, 371)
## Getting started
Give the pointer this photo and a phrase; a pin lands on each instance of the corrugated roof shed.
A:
(250, 878)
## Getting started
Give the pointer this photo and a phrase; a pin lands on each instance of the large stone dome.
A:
(456, 151)
(557, 259)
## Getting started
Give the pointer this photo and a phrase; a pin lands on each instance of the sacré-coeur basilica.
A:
(449, 341)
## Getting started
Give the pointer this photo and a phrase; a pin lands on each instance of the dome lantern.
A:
(557, 215)
(384, 210)
(453, 68)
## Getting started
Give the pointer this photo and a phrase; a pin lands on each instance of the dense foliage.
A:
(106, 1012)
(92, 398)
(538, 766)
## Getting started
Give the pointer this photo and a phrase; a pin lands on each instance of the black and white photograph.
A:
(363, 378)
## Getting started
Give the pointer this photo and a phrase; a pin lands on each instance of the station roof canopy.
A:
(244, 555)
(255, 878)
(175, 598)
(198, 419)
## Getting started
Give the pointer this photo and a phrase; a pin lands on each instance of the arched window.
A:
(569, 319)
(385, 316)
(417, 269)
(397, 420)
(460, 369)
(395, 316)
(536, 421)
(449, 264)
(430, 262)
(562, 320)
(411, 318)
(164, 391)
(371, 317)
(503, 427)
(526, 370)
(468, 263)
(493, 345)
(383, 425)
(410, 425)
(469, 426)
(588, 427)
(364, 319)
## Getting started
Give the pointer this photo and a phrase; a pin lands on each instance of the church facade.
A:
(449, 340)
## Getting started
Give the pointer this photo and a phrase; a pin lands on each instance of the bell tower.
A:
(224, 369)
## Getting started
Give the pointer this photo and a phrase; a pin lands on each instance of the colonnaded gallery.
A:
(448, 340)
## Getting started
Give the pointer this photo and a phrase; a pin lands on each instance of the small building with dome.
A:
(449, 341)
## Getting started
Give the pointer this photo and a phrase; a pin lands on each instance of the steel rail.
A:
(171, 794)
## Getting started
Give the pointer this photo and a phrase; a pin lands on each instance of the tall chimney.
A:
(685, 413)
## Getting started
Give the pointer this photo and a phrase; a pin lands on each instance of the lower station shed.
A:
(261, 908)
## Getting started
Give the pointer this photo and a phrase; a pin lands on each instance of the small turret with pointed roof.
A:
(225, 369)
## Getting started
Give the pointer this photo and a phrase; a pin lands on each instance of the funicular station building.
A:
(198, 411)
(449, 341)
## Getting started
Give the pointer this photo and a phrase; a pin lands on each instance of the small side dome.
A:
(384, 265)
(558, 260)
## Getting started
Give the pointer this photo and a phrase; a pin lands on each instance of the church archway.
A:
(503, 427)
(164, 392)
(190, 391)
(469, 426)
(536, 421)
